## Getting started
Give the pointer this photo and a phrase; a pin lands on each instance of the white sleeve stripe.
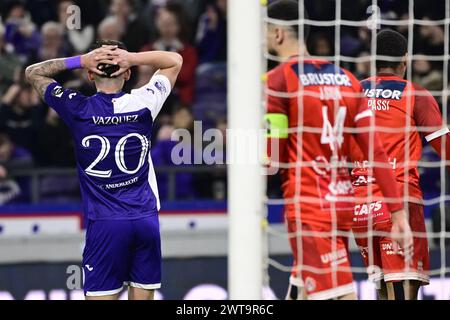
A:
(437, 134)
(364, 114)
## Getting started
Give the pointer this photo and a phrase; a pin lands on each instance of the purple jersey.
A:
(112, 140)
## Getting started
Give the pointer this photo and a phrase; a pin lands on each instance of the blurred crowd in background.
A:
(33, 136)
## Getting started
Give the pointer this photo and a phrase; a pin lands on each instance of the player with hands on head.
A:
(112, 133)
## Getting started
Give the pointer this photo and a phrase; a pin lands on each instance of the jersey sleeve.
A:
(66, 102)
(154, 93)
(427, 115)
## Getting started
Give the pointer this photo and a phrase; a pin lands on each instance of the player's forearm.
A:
(47, 68)
(382, 171)
(385, 178)
(157, 59)
(41, 74)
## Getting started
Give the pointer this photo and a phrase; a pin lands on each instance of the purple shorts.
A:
(122, 252)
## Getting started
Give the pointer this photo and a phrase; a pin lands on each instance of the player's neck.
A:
(109, 87)
(109, 91)
(390, 71)
(292, 49)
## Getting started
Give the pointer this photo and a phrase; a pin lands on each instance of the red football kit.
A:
(404, 112)
(313, 109)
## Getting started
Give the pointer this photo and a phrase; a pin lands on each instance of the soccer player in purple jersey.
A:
(111, 131)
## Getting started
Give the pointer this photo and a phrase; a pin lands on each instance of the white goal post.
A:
(246, 184)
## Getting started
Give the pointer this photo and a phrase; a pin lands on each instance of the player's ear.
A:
(127, 75)
(90, 76)
(279, 35)
(404, 63)
(405, 59)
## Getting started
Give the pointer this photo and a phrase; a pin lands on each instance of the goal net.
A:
(344, 32)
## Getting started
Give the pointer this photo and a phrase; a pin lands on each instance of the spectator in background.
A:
(365, 38)
(21, 115)
(172, 36)
(424, 75)
(191, 8)
(403, 28)
(212, 185)
(79, 39)
(212, 33)
(145, 72)
(10, 65)
(350, 45)
(12, 157)
(320, 45)
(56, 150)
(52, 42)
(135, 32)
(353, 44)
(21, 32)
(162, 154)
(183, 119)
(110, 28)
(431, 40)
(363, 67)
(54, 143)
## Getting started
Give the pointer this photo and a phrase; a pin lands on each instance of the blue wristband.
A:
(73, 62)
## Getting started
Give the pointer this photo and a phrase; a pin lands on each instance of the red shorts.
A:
(383, 263)
(321, 264)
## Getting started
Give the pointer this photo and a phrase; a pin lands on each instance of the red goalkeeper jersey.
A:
(404, 113)
(312, 108)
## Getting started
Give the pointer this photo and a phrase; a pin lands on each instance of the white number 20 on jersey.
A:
(118, 154)
(333, 135)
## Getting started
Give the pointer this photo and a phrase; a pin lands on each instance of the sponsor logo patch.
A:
(160, 87)
(57, 91)
(383, 94)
